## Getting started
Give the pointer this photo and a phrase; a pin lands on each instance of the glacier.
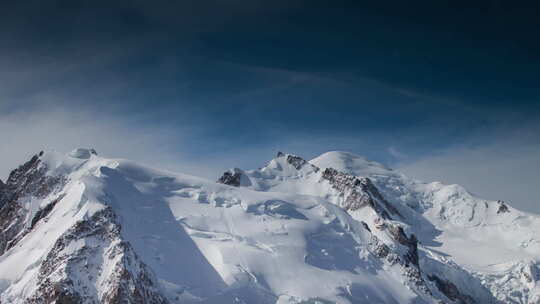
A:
(80, 228)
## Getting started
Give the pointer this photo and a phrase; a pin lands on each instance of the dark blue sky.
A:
(396, 81)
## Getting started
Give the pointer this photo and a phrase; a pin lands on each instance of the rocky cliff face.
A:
(358, 193)
(27, 181)
(451, 291)
(90, 263)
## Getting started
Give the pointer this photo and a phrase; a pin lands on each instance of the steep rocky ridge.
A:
(88, 263)
(26, 182)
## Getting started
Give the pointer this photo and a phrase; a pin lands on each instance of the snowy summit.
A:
(79, 228)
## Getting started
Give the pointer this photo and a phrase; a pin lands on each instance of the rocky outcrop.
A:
(351, 189)
(358, 192)
(90, 263)
(11, 223)
(503, 208)
(409, 264)
(31, 179)
(411, 243)
(2, 188)
(451, 291)
(28, 180)
(296, 161)
(369, 187)
(378, 248)
(232, 178)
(43, 212)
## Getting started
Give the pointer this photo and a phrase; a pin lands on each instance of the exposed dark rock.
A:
(378, 248)
(58, 293)
(366, 226)
(358, 192)
(414, 277)
(370, 187)
(451, 291)
(231, 178)
(11, 223)
(411, 242)
(503, 208)
(29, 179)
(296, 161)
(350, 187)
(527, 276)
(411, 272)
(130, 281)
(24, 175)
(42, 213)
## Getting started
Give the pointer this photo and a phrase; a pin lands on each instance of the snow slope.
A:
(86, 229)
(495, 242)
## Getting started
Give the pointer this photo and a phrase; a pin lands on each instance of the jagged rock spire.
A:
(28, 180)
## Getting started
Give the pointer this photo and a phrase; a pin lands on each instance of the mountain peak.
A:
(110, 230)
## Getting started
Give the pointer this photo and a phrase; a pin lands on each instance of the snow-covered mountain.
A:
(80, 228)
